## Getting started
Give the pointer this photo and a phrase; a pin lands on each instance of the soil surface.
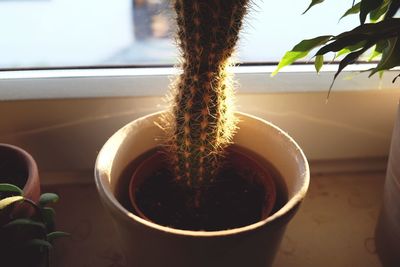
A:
(235, 199)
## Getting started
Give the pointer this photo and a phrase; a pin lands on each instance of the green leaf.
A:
(55, 235)
(349, 59)
(392, 9)
(378, 49)
(313, 3)
(371, 32)
(10, 188)
(367, 6)
(9, 200)
(23, 221)
(390, 56)
(48, 216)
(376, 14)
(340, 44)
(365, 31)
(301, 50)
(349, 49)
(319, 61)
(308, 44)
(288, 59)
(47, 198)
(38, 243)
(353, 10)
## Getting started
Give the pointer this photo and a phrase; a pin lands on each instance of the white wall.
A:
(63, 32)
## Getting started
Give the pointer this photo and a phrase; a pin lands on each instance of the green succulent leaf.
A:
(24, 221)
(55, 235)
(313, 3)
(301, 50)
(367, 6)
(48, 215)
(390, 56)
(353, 10)
(9, 200)
(319, 62)
(47, 198)
(4, 187)
(38, 243)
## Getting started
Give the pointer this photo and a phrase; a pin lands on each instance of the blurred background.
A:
(72, 33)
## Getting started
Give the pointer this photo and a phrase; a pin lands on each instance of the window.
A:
(65, 78)
(69, 33)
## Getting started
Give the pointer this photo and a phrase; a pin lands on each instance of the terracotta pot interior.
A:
(13, 167)
(19, 168)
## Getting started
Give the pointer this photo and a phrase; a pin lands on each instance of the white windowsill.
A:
(132, 82)
(64, 116)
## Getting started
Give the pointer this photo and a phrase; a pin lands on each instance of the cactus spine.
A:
(201, 123)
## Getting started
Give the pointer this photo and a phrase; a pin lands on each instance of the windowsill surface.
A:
(334, 226)
(145, 82)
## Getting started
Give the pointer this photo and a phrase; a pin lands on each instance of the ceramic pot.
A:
(147, 244)
(387, 234)
(18, 167)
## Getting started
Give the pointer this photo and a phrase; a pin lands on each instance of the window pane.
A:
(67, 33)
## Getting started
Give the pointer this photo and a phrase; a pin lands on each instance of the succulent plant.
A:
(201, 123)
(26, 237)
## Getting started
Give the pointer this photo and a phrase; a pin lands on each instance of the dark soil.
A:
(232, 201)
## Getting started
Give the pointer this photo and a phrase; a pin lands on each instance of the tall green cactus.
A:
(201, 122)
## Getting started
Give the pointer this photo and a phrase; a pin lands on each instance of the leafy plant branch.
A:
(381, 34)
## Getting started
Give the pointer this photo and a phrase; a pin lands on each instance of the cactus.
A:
(201, 122)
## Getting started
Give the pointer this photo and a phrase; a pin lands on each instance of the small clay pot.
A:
(236, 158)
(18, 167)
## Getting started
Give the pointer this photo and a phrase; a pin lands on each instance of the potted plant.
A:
(195, 199)
(26, 221)
(381, 38)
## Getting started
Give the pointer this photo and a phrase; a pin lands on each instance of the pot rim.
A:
(33, 173)
(110, 200)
